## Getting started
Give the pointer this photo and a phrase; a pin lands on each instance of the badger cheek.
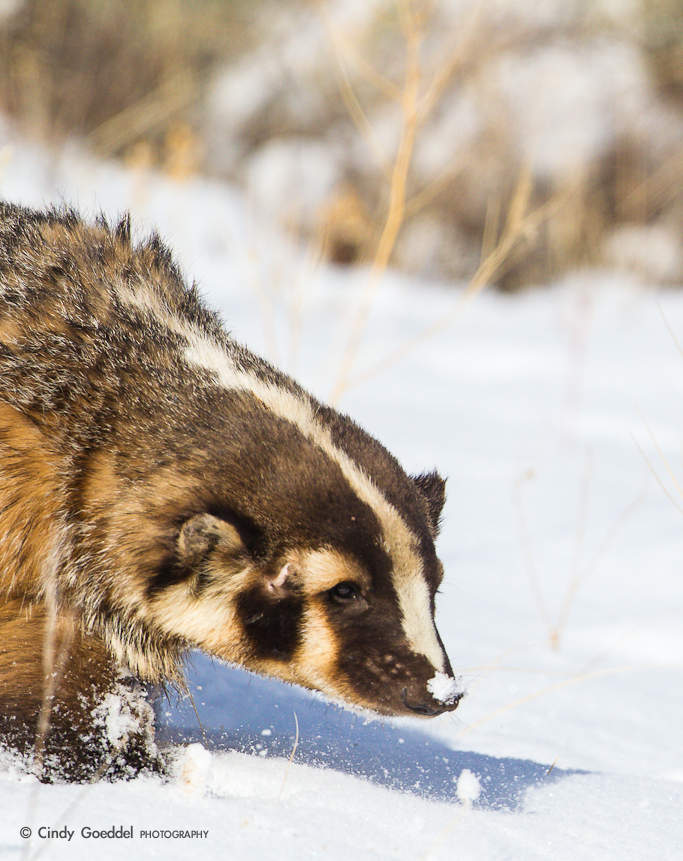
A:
(210, 625)
(316, 663)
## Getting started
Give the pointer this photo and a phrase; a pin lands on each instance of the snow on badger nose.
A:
(442, 693)
(445, 689)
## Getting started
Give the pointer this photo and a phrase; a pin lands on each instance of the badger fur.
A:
(163, 489)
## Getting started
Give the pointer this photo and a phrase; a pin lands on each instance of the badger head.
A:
(322, 576)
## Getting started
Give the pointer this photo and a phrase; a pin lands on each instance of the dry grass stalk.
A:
(411, 26)
(667, 468)
(267, 314)
(345, 51)
(205, 738)
(525, 539)
(65, 815)
(467, 48)
(540, 692)
(572, 588)
(427, 195)
(347, 92)
(291, 755)
(662, 187)
(677, 489)
(517, 229)
(54, 660)
(154, 111)
(491, 227)
(297, 299)
(580, 575)
(416, 107)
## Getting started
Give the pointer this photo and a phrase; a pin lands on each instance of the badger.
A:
(162, 489)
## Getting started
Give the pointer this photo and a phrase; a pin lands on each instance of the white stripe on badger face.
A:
(417, 621)
(399, 541)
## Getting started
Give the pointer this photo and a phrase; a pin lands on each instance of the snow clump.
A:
(468, 789)
(445, 688)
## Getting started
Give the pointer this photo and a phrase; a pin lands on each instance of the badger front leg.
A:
(65, 704)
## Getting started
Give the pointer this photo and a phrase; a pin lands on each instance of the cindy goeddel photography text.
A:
(113, 832)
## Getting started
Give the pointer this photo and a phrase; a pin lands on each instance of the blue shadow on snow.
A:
(250, 714)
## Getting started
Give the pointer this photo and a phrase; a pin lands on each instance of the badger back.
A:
(208, 500)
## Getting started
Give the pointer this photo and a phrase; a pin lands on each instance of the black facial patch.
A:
(169, 573)
(273, 628)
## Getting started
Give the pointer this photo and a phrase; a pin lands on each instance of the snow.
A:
(192, 768)
(557, 416)
(444, 688)
(468, 788)
(123, 711)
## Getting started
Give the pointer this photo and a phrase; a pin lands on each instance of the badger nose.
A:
(428, 706)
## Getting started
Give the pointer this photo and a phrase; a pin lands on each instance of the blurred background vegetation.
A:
(416, 131)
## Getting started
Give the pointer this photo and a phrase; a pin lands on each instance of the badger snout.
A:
(442, 693)
(401, 682)
(423, 703)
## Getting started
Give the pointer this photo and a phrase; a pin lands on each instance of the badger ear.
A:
(201, 534)
(433, 489)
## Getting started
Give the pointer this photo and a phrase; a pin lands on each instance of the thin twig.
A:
(69, 809)
(196, 714)
(432, 190)
(525, 541)
(53, 662)
(577, 554)
(556, 686)
(654, 472)
(664, 460)
(487, 270)
(397, 194)
(348, 49)
(580, 576)
(149, 113)
(49, 673)
(668, 325)
(468, 37)
(491, 225)
(659, 188)
(291, 755)
(348, 94)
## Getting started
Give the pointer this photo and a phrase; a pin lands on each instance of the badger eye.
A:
(343, 593)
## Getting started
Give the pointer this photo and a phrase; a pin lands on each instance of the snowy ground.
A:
(562, 605)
